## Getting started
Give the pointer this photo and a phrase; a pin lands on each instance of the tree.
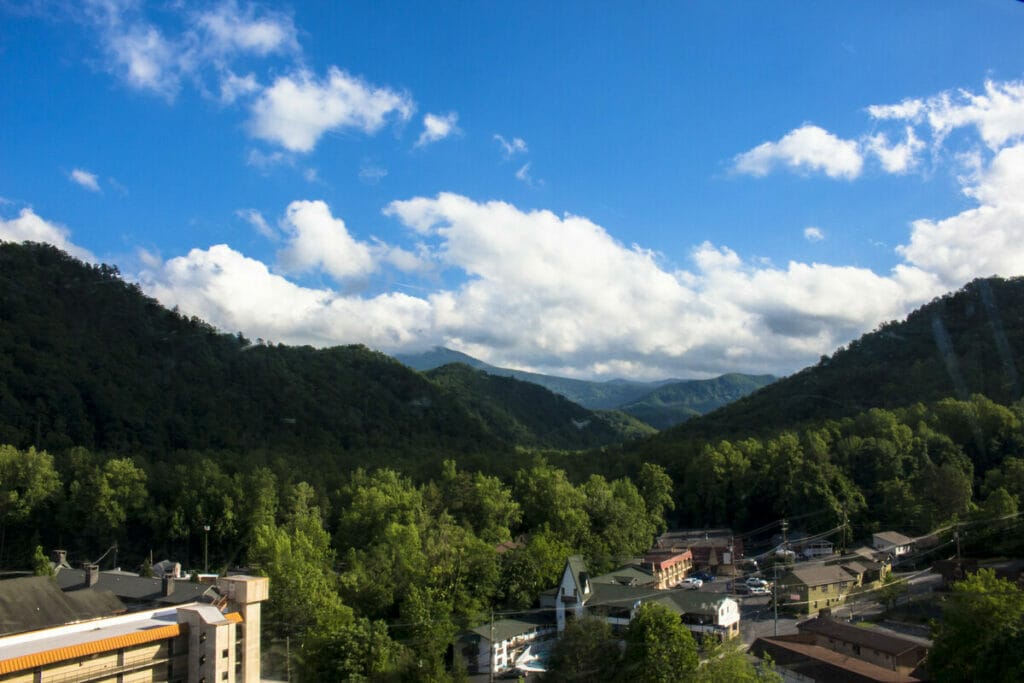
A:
(981, 634)
(891, 590)
(27, 480)
(659, 648)
(726, 662)
(41, 563)
(586, 651)
(655, 487)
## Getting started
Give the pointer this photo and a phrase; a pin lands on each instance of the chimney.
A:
(92, 574)
(167, 586)
(59, 556)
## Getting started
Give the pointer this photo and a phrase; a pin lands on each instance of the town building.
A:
(894, 543)
(195, 642)
(705, 614)
(807, 589)
(826, 649)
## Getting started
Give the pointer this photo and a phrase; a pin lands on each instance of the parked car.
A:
(740, 588)
(691, 583)
(758, 590)
(704, 576)
(754, 582)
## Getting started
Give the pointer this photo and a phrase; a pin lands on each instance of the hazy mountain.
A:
(659, 404)
(593, 395)
(677, 402)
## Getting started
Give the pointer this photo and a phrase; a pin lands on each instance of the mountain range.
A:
(660, 404)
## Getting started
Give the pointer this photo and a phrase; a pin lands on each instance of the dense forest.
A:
(377, 498)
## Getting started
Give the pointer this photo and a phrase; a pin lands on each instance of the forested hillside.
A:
(966, 342)
(911, 426)
(676, 402)
(87, 360)
(527, 414)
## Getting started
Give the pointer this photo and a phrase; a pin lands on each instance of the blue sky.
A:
(590, 189)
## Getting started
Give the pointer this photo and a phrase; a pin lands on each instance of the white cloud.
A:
(808, 148)
(998, 113)
(86, 179)
(237, 293)
(296, 110)
(319, 240)
(256, 220)
(229, 29)
(29, 227)
(511, 147)
(896, 158)
(146, 60)
(813, 234)
(907, 110)
(523, 174)
(986, 240)
(233, 86)
(546, 291)
(436, 127)
(206, 43)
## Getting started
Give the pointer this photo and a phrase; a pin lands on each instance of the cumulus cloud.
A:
(997, 113)
(297, 110)
(29, 227)
(437, 127)
(235, 292)
(982, 241)
(899, 157)
(813, 234)
(86, 179)
(316, 239)
(511, 147)
(808, 148)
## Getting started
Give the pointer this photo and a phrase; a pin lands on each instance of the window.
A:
(224, 653)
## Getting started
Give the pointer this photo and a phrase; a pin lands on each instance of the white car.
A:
(758, 590)
(691, 583)
(755, 582)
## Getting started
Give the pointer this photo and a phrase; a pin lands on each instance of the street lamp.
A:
(206, 548)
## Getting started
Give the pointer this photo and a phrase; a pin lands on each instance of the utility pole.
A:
(775, 583)
(490, 651)
(206, 548)
(956, 535)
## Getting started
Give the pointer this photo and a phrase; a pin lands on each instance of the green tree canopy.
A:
(659, 647)
(981, 634)
(586, 651)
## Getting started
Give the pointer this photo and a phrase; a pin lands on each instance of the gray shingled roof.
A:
(816, 575)
(504, 629)
(34, 602)
(865, 637)
(132, 588)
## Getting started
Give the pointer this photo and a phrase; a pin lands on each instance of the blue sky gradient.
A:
(592, 189)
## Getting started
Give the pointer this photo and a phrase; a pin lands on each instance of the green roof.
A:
(504, 629)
